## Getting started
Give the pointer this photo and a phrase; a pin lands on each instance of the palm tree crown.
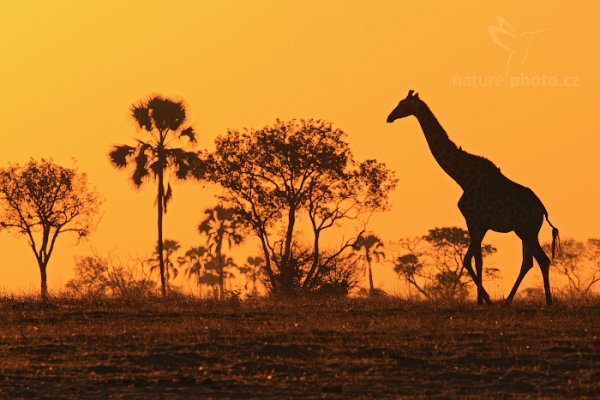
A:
(162, 119)
(222, 224)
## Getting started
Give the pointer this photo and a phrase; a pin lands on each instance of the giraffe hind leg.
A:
(525, 267)
(544, 263)
(479, 270)
(477, 234)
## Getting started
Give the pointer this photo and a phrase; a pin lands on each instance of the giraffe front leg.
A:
(481, 292)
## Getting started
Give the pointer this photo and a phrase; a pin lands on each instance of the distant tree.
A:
(579, 262)
(254, 272)
(433, 264)
(450, 245)
(410, 269)
(108, 276)
(369, 248)
(201, 265)
(42, 200)
(222, 225)
(170, 247)
(274, 175)
(593, 245)
(163, 122)
(196, 262)
(209, 277)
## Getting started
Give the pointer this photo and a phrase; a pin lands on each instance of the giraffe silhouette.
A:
(490, 200)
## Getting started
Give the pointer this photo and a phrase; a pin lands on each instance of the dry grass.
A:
(351, 348)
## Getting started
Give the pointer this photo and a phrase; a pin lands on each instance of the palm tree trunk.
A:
(161, 261)
(221, 273)
(371, 278)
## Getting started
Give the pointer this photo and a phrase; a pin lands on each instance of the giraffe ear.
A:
(416, 96)
(410, 93)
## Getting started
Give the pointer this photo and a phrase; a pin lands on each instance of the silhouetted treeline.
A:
(274, 183)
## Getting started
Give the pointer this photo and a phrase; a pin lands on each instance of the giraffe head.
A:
(405, 108)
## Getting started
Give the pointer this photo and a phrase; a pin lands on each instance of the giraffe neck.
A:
(446, 153)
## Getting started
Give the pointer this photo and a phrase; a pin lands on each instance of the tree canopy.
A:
(433, 263)
(41, 200)
(296, 169)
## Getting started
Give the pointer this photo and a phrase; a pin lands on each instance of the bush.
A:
(99, 276)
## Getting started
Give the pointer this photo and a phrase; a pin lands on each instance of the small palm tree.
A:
(253, 271)
(196, 260)
(222, 225)
(170, 247)
(210, 277)
(369, 248)
(162, 121)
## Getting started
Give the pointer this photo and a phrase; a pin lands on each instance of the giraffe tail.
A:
(555, 237)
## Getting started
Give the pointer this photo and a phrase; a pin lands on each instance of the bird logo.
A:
(517, 44)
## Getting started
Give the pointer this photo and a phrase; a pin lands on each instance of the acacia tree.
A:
(222, 225)
(42, 200)
(433, 264)
(410, 269)
(274, 175)
(162, 120)
(449, 246)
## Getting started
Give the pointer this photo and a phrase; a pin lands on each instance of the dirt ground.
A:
(355, 349)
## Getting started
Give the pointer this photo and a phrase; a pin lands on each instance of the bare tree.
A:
(579, 262)
(593, 245)
(42, 200)
(108, 276)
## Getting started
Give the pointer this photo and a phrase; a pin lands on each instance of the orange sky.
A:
(69, 71)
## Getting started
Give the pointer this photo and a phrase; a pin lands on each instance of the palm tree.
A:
(196, 262)
(222, 224)
(253, 271)
(169, 248)
(162, 122)
(369, 248)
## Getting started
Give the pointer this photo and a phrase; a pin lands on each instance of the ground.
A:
(382, 348)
